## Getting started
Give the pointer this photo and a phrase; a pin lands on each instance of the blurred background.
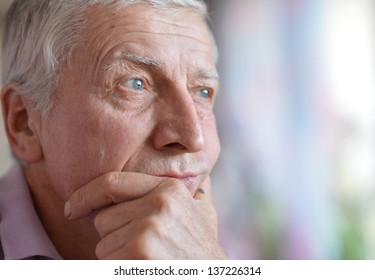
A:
(296, 117)
(5, 156)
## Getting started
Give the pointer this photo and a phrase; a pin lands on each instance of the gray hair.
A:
(41, 35)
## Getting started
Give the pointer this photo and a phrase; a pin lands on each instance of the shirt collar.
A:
(21, 232)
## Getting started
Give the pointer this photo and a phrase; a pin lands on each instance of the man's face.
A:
(138, 97)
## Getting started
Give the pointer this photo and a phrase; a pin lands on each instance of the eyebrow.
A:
(207, 74)
(158, 65)
(143, 60)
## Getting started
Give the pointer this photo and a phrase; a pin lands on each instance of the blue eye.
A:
(205, 93)
(134, 84)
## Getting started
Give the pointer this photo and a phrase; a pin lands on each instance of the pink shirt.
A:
(22, 234)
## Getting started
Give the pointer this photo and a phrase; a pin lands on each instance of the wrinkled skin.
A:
(129, 147)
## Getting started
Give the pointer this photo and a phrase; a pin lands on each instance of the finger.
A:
(204, 191)
(111, 188)
(205, 196)
(114, 241)
(119, 215)
(121, 253)
(112, 218)
(137, 249)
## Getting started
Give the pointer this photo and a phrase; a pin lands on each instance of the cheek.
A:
(81, 149)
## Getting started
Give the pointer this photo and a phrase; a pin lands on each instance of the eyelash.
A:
(208, 94)
(196, 91)
(133, 83)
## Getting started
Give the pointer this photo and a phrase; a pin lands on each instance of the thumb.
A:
(204, 191)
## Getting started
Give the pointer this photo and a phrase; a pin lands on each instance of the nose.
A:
(179, 126)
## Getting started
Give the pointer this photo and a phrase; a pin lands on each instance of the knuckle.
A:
(99, 223)
(164, 202)
(110, 179)
(110, 186)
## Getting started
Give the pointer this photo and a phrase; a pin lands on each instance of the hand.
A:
(147, 217)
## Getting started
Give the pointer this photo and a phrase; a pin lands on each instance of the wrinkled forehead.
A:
(144, 26)
(146, 18)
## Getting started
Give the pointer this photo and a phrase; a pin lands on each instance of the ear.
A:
(21, 123)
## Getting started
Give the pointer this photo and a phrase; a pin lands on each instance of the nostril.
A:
(175, 146)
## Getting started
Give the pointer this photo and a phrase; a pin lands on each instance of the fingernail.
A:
(201, 191)
(67, 210)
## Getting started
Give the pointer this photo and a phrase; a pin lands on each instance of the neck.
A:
(74, 240)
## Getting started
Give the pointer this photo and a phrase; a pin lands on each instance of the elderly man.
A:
(107, 105)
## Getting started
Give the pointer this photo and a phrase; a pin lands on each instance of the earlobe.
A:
(21, 124)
